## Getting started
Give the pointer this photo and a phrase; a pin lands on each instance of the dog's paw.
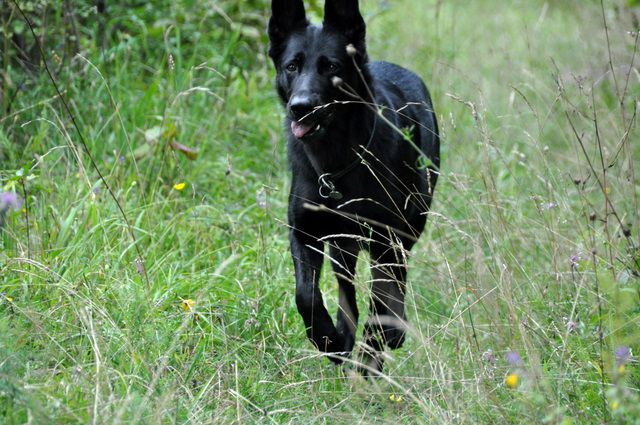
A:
(391, 330)
(370, 362)
(393, 336)
(335, 359)
(349, 341)
(335, 349)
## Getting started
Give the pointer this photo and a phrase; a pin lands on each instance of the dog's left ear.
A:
(344, 16)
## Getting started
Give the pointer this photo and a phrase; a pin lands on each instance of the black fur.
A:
(385, 198)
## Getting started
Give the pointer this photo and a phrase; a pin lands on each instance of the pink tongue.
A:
(299, 130)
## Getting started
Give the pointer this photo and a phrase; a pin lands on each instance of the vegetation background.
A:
(524, 289)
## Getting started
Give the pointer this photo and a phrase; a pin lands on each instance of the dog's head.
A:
(314, 66)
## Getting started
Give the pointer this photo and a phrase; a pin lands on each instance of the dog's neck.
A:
(344, 140)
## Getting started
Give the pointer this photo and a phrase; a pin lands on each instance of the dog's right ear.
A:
(287, 16)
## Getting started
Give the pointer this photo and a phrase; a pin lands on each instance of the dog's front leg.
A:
(343, 260)
(387, 323)
(307, 255)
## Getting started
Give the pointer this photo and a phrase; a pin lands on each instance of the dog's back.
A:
(405, 93)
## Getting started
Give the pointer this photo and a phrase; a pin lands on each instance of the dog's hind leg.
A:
(388, 287)
(343, 260)
(308, 256)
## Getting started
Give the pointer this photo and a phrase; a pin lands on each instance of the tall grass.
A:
(528, 268)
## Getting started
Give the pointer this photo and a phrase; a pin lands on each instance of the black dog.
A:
(364, 151)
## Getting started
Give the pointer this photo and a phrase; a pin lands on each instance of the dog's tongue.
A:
(299, 130)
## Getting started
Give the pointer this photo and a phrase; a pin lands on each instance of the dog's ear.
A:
(344, 16)
(287, 16)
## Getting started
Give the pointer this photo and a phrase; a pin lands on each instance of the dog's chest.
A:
(359, 208)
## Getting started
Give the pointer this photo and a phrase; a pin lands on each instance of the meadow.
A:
(145, 274)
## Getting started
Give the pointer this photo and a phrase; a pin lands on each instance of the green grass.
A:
(85, 337)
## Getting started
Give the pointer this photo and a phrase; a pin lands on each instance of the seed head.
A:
(336, 81)
(548, 206)
(489, 357)
(351, 50)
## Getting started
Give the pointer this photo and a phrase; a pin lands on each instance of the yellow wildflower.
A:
(396, 398)
(188, 305)
(615, 405)
(512, 380)
(179, 186)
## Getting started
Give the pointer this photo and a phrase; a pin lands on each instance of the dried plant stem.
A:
(593, 170)
(26, 216)
(605, 191)
(625, 143)
(613, 74)
(605, 411)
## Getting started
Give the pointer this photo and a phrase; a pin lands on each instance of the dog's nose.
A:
(300, 106)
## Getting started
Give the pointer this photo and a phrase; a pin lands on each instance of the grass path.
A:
(528, 268)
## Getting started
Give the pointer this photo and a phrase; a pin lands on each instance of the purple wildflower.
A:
(623, 354)
(571, 326)
(9, 201)
(514, 358)
(139, 266)
(575, 262)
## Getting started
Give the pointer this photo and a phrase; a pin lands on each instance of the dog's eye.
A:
(332, 67)
(292, 67)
